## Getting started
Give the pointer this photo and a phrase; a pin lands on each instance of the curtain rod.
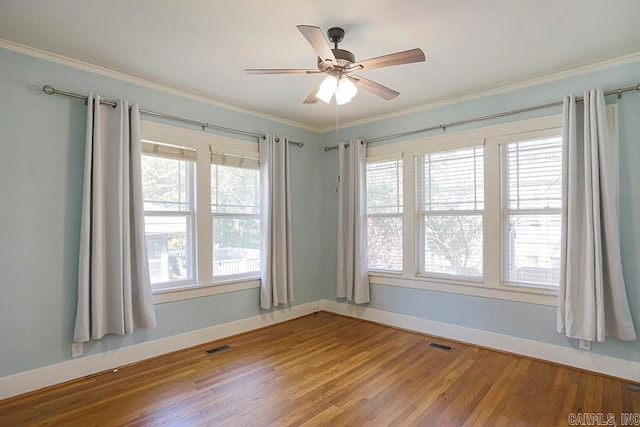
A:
(49, 90)
(444, 127)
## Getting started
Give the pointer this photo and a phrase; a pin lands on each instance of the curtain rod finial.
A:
(48, 90)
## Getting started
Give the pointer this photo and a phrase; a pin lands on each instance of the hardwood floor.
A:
(325, 369)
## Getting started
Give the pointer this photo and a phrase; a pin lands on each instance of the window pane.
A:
(235, 205)
(384, 187)
(532, 198)
(384, 211)
(235, 190)
(165, 183)
(236, 245)
(166, 187)
(168, 248)
(384, 238)
(452, 244)
(451, 180)
(532, 174)
(533, 249)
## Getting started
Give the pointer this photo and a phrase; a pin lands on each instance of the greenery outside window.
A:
(235, 210)
(168, 192)
(450, 203)
(384, 215)
(202, 212)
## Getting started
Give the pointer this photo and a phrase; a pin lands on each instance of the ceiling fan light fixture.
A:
(338, 63)
(327, 89)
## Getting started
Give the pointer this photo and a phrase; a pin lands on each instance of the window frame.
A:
(238, 216)
(204, 283)
(190, 224)
(505, 211)
(393, 156)
(421, 214)
(492, 286)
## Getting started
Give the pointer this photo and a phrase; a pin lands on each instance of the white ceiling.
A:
(204, 46)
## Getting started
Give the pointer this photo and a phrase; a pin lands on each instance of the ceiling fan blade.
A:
(279, 71)
(317, 41)
(375, 88)
(311, 99)
(398, 58)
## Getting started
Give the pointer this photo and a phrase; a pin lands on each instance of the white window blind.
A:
(384, 215)
(168, 151)
(532, 201)
(235, 210)
(168, 174)
(450, 205)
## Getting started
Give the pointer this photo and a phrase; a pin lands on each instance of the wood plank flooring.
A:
(325, 369)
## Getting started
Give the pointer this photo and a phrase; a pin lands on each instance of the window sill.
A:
(203, 290)
(505, 292)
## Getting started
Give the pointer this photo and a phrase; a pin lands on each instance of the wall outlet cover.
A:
(585, 345)
(77, 349)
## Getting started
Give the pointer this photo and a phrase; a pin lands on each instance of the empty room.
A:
(409, 213)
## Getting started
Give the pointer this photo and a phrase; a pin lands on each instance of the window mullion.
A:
(492, 214)
(417, 197)
(408, 216)
(204, 244)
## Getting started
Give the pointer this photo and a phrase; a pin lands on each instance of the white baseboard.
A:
(35, 379)
(607, 365)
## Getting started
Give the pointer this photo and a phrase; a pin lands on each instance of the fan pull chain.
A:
(338, 145)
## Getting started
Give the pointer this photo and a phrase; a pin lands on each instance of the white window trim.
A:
(203, 290)
(491, 286)
(201, 141)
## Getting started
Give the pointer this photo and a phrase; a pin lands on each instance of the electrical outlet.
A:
(585, 345)
(77, 349)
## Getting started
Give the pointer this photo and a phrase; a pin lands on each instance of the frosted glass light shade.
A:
(341, 98)
(346, 88)
(327, 89)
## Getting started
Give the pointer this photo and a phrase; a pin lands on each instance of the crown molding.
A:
(97, 69)
(75, 63)
(586, 69)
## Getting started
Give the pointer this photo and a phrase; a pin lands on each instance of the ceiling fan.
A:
(339, 64)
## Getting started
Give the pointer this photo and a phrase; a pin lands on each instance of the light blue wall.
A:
(41, 160)
(530, 321)
(41, 157)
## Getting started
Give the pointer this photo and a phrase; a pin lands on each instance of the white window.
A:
(168, 174)
(480, 211)
(531, 211)
(235, 209)
(384, 215)
(450, 203)
(202, 212)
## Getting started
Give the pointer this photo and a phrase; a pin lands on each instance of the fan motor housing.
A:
(344, 58)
